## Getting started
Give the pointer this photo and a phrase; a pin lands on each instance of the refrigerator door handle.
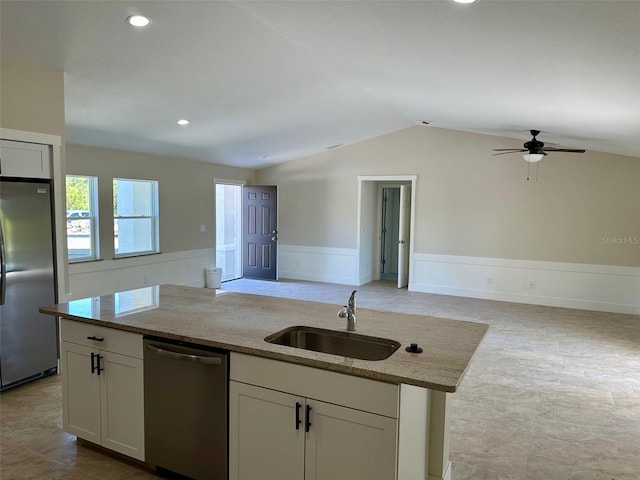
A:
(3, 266)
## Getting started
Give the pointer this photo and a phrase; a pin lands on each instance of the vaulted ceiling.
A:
(268, 81)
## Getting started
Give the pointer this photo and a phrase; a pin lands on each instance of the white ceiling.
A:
(268, 81)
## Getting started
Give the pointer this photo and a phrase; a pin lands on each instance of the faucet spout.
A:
(349, 312)
(352, 301)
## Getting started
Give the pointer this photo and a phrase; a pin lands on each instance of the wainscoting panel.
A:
(319, 264)
(590, 287)
(99, 278)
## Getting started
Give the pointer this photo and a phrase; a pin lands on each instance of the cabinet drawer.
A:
(116, 341)
(338, 388)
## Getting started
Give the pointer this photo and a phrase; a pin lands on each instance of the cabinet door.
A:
(122, 399)
(20, 159)
(347, 444)
(263, 439)
(80, 392)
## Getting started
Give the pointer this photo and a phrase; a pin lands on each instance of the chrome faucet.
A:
(349, 312)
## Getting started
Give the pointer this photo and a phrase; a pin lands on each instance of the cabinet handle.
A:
(298, 421)
(95, 363)
(3, 267)
(97, 339)
(99, 368)
(307, 420)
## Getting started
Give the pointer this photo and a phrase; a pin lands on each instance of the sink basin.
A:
(337, 343)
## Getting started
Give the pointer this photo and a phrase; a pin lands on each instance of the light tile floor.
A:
(553, 394)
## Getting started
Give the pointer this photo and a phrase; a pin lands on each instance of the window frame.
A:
(154, 218)
(94, 233)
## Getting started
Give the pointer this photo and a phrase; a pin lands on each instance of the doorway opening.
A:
(229, 229)
(246, 230)
(386, 206)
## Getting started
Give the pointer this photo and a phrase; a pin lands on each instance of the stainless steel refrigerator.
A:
(28, 339)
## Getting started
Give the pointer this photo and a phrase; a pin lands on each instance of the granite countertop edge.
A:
(401, 368)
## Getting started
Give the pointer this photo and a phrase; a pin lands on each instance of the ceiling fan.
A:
(534, 149)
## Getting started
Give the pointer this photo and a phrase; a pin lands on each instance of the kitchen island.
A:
(239, 323)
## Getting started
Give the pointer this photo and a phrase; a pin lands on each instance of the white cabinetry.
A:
(264, 442)
(292, 422)
(27, 160)
(350, 444)
(102, 386)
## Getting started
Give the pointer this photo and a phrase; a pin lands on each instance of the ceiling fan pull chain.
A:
(528, 169)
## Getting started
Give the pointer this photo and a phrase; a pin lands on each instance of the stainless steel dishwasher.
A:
(186, 408)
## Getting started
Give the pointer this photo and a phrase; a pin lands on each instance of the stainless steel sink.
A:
(337, 343)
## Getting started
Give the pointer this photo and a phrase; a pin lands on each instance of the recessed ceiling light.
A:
(465, 1)
(138, 20)
(183, 121)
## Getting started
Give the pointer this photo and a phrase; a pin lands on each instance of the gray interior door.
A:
(389, 234)
(259, 232)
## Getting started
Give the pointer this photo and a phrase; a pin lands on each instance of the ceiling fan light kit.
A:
(533, 157)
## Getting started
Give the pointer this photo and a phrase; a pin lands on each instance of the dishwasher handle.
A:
(186, 357)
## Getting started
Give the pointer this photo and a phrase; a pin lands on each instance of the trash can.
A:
(214, 277)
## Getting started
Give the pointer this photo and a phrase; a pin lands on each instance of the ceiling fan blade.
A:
(568, 150)
(511, 151)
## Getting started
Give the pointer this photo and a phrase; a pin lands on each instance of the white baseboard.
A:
(102, 277)
(446, 476)
(572, 285)
(319, 264)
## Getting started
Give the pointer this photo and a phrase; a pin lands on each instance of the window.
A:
(82, 215)
(135, 217)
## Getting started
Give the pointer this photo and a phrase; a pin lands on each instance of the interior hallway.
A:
(553, 394)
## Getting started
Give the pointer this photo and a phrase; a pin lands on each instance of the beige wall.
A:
(31, 97)
(32, 100)
(186, 193)
(469, 203)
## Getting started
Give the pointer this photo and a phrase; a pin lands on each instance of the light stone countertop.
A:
(240, 322)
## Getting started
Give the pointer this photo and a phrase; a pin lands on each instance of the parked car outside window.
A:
(76, 215)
